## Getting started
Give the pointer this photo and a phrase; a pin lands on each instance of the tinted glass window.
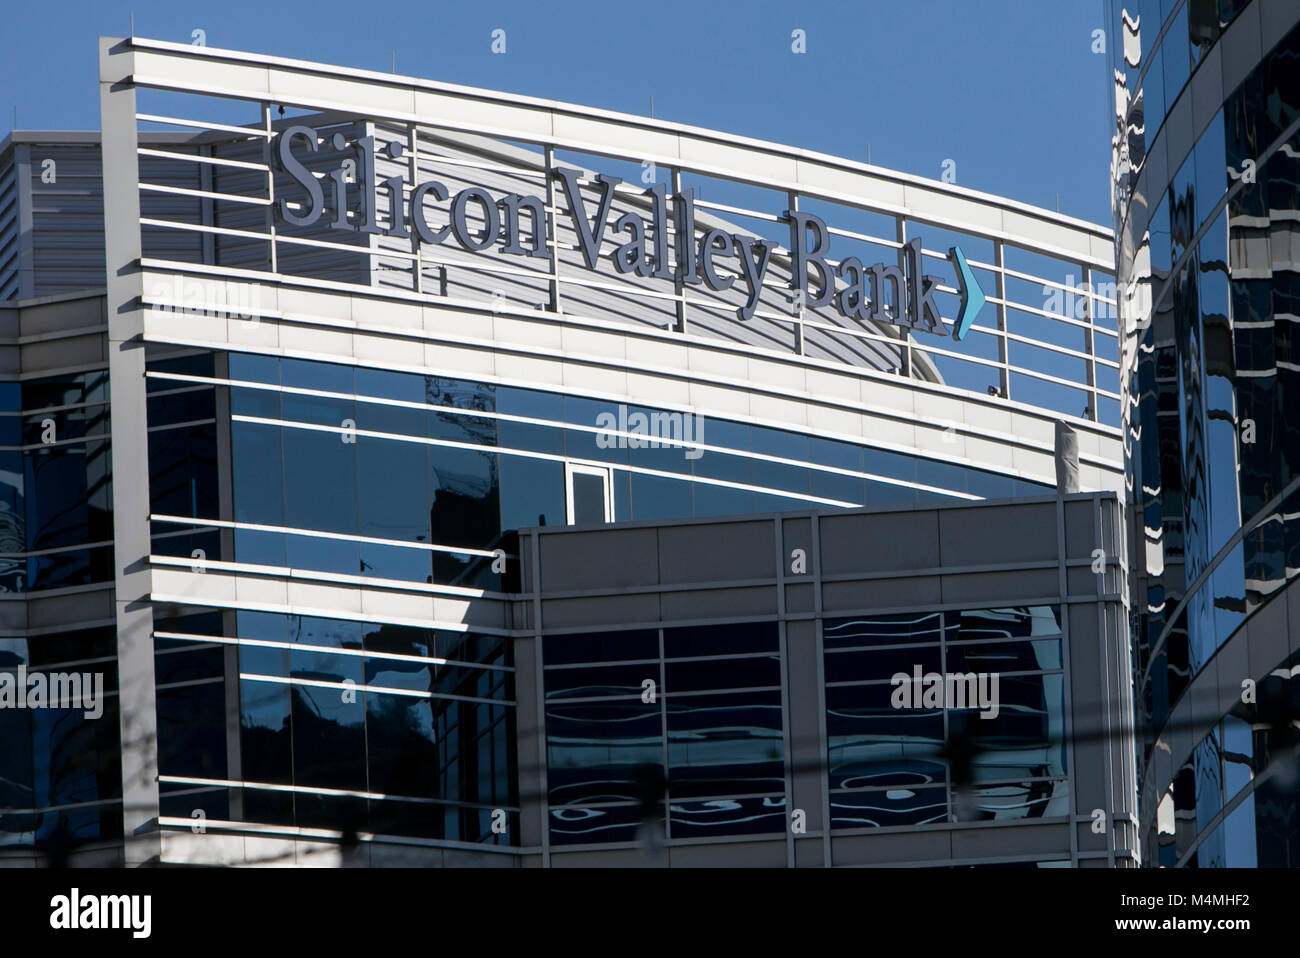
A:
(588, 498)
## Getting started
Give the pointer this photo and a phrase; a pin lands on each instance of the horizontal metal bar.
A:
(204, 194)
(317, 534)
(256, 132)
(201, 158)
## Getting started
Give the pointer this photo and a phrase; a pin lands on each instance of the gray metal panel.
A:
(879, 542)
(597, 560)
(893, 848)
(796, 533)
(1029, 839)
(527, 731)
(804, 681)
(1080, 580)
(1015, 533)
(692, 554)
(92, 605)
(1087, 750)
(62, 315)
(606, 858)
(881, 594)
(979, 588)
(571, 614)
(1080, 537)
(800, 598)
(729, 855)
(64, 353)
(715, 603)
(808, 853)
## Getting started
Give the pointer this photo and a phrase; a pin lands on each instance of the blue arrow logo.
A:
(972, 297)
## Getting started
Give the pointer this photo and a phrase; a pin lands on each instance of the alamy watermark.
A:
(201, 297)
(950, 690)
(655, 430)
(1072, 302)
(75, 911)
(53, 690)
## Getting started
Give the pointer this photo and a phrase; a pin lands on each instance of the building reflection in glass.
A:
(1210, 362)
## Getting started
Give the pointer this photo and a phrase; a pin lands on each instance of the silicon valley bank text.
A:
(645, 252)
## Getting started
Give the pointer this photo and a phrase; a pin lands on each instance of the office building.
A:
(294, 352)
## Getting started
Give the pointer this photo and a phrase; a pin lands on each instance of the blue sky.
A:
(1010, 90)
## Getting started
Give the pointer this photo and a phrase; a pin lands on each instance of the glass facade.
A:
(693, 720)
(362, 474)
(342, 724)
(1209, 282)
(421, 479)
(887, 764)
(687, 719)
(55, 491)
(60, 767)
(1233, 805)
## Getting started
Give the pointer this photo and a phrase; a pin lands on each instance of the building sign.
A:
(518, 223)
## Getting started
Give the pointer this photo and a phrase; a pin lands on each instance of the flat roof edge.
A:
(1047, 497)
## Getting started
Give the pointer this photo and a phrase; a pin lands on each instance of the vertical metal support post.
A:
(663, 747)
(900, 308)
(793, 206)
(679, 287)
(207, 208)
(1089, 345)
(1000, 284)
(138, 713)
(539, 679)
(823, 744)
(270, 185)
(783, 648)
(413, 177)
(552, 211)
(229, 618)
(1076, 815)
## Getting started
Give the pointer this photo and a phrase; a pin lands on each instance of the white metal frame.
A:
(572, 469)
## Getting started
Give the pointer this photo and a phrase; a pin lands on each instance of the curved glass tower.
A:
(1206, 191)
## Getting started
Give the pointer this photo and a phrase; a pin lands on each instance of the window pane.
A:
(532, 492)
(588, 498)
(878, 808)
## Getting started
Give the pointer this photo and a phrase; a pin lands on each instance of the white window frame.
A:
(572, 469)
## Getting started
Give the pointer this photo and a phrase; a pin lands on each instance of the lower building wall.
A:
(725, 692)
